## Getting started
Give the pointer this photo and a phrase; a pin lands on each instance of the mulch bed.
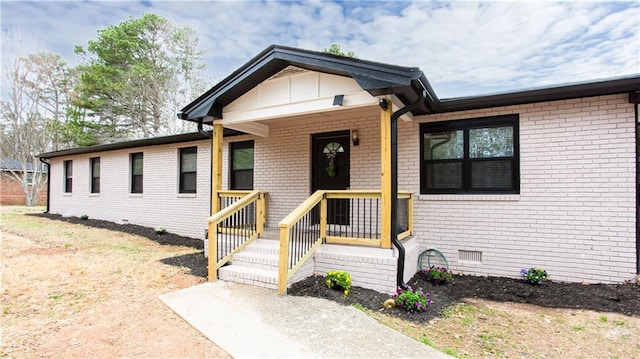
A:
(150, 233)
(615, 298)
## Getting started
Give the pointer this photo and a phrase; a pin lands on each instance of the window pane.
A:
(243, 159)
(491, 174)
(136, 184)
(68, 168)
(444, 175)
(243, 179)
(95, 185)
(137, 164)
(189, 162)
(188, 182)
(491, 142)
(446, 145)
(95, 171)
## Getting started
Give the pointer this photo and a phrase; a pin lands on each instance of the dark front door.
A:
(330, 171)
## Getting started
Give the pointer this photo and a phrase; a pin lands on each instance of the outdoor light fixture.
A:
(355, 138)
(337, 100)
(383, 104)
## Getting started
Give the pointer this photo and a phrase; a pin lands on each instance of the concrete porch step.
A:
(256, 259)
(248, 275)
(264, 246)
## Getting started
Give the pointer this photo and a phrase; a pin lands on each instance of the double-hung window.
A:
(95, 174)
(470, 156)
(188, 169)
(241, 163)
(136, 172)
(68, 176)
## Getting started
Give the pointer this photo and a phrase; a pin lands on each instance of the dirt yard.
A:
(71, 291)
(88, 288)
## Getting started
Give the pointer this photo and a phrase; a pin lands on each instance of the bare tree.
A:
(23, 135)
(35, 114)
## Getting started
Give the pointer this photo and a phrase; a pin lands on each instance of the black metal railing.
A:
(303, 235)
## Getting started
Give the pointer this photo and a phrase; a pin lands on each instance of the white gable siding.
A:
(160, 204)
(575, 215)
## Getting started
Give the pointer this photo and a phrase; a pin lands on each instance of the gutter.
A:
(394, 187)
(48, 181)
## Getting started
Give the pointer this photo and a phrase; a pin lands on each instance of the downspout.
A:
(48, 181)
(394, 187)
(209, 135)
(637, 118)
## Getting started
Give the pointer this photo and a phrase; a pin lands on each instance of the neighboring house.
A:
(321, 144)
(11, 192)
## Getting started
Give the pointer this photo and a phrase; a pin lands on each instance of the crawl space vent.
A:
(470, 256)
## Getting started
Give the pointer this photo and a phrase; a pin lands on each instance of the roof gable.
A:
(375, 78)
(408, 84)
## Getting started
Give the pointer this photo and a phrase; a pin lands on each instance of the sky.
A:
(464, 48)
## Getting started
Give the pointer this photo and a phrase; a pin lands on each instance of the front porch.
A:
(322, 131)
(241, 249)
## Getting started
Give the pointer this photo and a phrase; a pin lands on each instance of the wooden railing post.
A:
(410, 213)
(260, 214)
(212, 252)
(323, 218)
(283, 264)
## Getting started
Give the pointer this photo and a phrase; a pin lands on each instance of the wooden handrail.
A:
(233, 193)
(230, 210)
(288, 267)
(302, 209)
(214, 226)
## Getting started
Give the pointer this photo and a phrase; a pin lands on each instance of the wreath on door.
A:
(331, 151)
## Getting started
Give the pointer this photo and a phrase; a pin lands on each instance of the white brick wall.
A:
(282, 164)
(160, 204)
(575, 215)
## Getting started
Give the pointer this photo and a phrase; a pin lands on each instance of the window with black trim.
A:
(95, 174)
(478, 155)
(136, 172)
(241, 163)
(188, 169)
(68, 176)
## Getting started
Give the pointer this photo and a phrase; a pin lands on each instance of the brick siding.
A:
(574, 216)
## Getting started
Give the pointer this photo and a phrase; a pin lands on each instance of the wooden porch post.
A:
(385, 166)
(216, 187)
(216, 168)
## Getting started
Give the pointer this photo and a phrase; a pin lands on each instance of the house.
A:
(310, 149)
(11, 173)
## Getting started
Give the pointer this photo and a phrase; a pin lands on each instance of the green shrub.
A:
(160, 230)
(412, 300)
(535, 275)
(437, 275)
(84, 217)
(340, 280)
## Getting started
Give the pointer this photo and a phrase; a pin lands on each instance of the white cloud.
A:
(464, 48)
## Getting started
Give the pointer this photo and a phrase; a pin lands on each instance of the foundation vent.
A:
(470, 256)
(288, 71)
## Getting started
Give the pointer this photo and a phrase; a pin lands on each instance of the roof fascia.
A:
(145, 142)
(590, 89)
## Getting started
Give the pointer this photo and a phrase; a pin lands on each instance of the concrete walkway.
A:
(250, 322)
